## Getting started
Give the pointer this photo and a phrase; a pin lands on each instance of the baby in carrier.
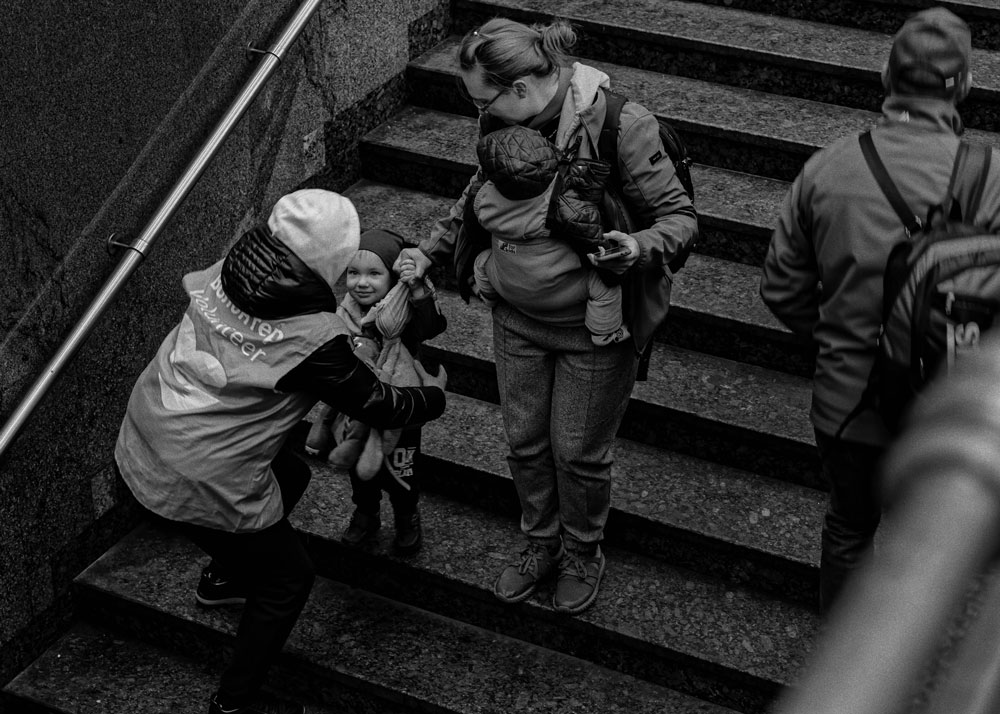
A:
(541, 211)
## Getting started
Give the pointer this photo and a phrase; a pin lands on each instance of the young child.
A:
(378, 461)
(542, 213)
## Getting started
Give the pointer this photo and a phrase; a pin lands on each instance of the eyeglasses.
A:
(484, 107)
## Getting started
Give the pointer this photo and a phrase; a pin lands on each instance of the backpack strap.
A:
(968, 181)
(910, 220)
(968, 178)
(607, 142)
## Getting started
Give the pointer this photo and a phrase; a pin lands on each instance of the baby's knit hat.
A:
(930, 54)
(384, 243)
(321, 227)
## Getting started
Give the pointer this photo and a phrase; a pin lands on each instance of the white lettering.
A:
(210, 312)
(967, 335)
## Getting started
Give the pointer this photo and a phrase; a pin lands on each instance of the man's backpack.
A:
(615, 210)
(941, 287)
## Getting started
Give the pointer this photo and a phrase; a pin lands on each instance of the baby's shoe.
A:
(611, 338)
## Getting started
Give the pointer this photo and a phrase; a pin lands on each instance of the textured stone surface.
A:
(383, 655)
(879, 15)
(674, 626)
(767, 52)
(730, 127)
(736, 397)
(689, 511)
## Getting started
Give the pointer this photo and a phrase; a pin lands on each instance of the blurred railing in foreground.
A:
(942, 484)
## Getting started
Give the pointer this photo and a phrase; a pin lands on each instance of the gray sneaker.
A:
(578, 583)
(518, 581)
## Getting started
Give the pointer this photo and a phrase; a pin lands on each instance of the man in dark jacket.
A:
(203, 441)
(824, 269)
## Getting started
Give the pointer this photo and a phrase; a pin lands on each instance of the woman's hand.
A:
(414, 262)
(408, 276)
(620, 258)
(438, 380)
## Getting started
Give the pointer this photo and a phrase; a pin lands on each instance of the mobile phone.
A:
(611, 254)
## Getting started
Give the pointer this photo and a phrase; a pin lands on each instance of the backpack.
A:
(614, 209)
(941, 287)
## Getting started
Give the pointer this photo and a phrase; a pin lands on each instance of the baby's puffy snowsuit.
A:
(539, 212)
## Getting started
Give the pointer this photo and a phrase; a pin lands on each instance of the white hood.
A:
(583, 87)
(321, 227)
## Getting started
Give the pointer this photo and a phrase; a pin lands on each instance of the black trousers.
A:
(278, 575)
(853, 513)
(398, 480)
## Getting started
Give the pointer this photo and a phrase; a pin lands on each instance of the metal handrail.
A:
(942, 483)
(270, 59)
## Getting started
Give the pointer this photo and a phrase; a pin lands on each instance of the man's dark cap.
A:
(930, 55)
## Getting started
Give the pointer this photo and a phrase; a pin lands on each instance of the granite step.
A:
(727, 643)
(885, 16)
(720, 520)
(715, 304)
(767, 52)
(740, 129)
(435, 151)
(92, 669)
(358, 650)
(735, 413)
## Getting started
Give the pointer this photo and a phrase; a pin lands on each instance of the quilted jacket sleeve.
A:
(348, 385)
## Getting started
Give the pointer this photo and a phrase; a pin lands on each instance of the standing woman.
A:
(562, 397)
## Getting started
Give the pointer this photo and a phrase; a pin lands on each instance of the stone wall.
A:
(109, 102)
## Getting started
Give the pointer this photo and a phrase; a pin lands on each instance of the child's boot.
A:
(409, 535)
(363, 526)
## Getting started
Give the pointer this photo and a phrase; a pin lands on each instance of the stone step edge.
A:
(91, 668)
(869, 49)
(652, 619)
(363, 658)
(832, 119)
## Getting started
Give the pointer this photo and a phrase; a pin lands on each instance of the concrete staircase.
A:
(712, 543)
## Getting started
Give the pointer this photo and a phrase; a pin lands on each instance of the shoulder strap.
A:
(607, 142)
(910, 220)
(968, 178)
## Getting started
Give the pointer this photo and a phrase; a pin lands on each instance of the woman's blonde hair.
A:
(507, 50)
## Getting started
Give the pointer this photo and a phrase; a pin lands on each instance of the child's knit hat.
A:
(930, 55)
(321, 227)
(384, 243)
